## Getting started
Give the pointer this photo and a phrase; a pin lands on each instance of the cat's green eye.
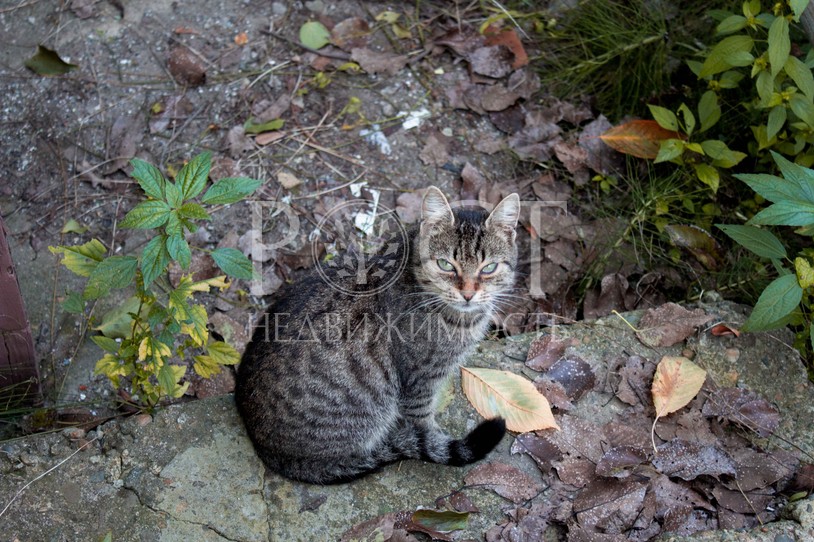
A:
(445, 265)
(488, 269)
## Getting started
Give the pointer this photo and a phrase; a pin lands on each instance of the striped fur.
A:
(334, 386)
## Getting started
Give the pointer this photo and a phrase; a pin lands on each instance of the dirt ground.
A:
(401, 99)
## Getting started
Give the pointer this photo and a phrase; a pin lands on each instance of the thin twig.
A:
(20, 492)
(337, 55)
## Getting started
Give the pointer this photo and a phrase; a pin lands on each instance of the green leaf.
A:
(166, 379)
(441, 521)
(81, 259)
(230, 190)
(178, 249)
(154, 259)
(149, 178)
(232, 262)
(733, 23)
(72, 226)
(765, 87)
(777, 118)
(798, 7)
(719, 58)
(192, 177)
(174, 227)
(73, 303)
(801, 75)
(47, 62)
(776, 302)
(786, 213)
(118, 322)
(709, 112)
(664, 117)
(314, 35)
(106, 343)
(669, 149)
(689, 119)
(798, 181)
(174, 196)
(707, 175)
(147, 214)
(112, 272)
(803, 108)
(250, 128)
(779, 44)
(193, 210)
(222, 353)
(760, 241)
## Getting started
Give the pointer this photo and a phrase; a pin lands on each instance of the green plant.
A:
(782, 90)
(146, 331)
(704, 157)
(789, 298)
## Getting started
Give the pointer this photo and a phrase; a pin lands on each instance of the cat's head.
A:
(468, 256)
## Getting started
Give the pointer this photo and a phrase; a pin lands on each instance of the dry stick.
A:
(338, 55)
(20, 492)
(19, 6)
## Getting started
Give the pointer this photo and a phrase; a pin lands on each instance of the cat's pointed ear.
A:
(435, 208)
(505, 214)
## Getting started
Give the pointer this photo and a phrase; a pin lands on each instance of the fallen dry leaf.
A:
(492, 61)
(721, 330)
(745, 408)
(288, 180)
(669, 324)
(575, 376)
(619, 462)
(544, 351)
(509, 39)
(496, 393)
(375, 62)
(507, 481)
(676, 382)
(539, 448)
(351, 33)
(639, 138)
(689, 460)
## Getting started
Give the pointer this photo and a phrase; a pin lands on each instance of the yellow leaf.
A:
(676, 382)
(144, 349)
(222, 353)
(805, 274)
(205, 366)
(501, 393)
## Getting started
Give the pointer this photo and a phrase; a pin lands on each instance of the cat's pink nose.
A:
(468, 295)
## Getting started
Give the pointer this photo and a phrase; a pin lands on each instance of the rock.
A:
(192, 474)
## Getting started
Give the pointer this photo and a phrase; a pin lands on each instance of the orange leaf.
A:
(508, 38)
(722, 329)
(676, 382)
(241, 39)
(640, 138)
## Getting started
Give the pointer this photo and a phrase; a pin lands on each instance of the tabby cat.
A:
(336, 385)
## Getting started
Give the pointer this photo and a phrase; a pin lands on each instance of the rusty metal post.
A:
(19, 370)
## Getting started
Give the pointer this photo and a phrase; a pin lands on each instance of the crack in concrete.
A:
(182, 520)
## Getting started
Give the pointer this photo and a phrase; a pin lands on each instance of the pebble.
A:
(143, 419)
(29, 459)
(74, 433)
(732, 354)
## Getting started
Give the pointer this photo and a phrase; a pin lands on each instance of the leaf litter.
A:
(605, 480)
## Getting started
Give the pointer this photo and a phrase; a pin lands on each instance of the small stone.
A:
(74, 433)
(732, 354)
(29, 459)
(687, 353)
(142, 420)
